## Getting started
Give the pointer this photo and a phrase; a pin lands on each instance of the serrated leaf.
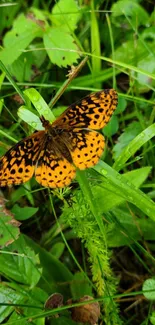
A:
(9, 227)
(23, 268)
(60, 47)
(16, 40)
(65, 13)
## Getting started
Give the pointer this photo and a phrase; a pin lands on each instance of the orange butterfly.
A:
(68, 143)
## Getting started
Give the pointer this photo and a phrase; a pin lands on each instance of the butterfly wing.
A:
(17, 165)
(85, 146)
(53, 168)
(93, 111)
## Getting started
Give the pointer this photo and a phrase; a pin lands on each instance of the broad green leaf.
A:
(126, 229)
(40, 105)
(35, 300)
(7, 295)
(8, 13)
(149, 289)
(57, 249)
(23, 266)
(149, 34)
(112, 127)
(80, 286)
(60, 47)
(131, 131)
(152, 318)
(64, 321)
(23, 213)
(55, 275)
(15, 41)
(127, 190)
(30, 118)
(9, 227)
(65, 14)
(38, 16)
(132, 10)
(111, 196)
(144, 60)
(133, 146)
(122, 103)
(24, 68)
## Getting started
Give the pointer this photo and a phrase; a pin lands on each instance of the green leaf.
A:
(22, 69)
(7, 295)
(15, 41)
(110, 197)
(65, 14)
(55, 275)
(152, 318)
(32, 302)
(60, 47)
(23, 213)
(21, 266)
(8, 13)
(125, 229)
(57, 249)
(112, 127)
(80, 286)
(34, 299)
(122, 104)
(134, 145)
(143, 60)
(131, 131)
(40, 105)
(9, 227)
(149, 285)
(132, 10)
(27, 116)
(127, 190)
(64, 321)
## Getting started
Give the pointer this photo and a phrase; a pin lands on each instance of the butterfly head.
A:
(45, 123)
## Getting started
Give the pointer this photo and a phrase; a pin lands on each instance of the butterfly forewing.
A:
(93, 112)
(17, 165)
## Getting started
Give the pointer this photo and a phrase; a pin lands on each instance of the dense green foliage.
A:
(95, 237)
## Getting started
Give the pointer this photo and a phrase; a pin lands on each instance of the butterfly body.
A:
(70, 142)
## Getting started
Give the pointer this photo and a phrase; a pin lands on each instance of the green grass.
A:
(95, 237)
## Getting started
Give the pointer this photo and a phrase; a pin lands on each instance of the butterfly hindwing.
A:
(86, 147)
(53, 169)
